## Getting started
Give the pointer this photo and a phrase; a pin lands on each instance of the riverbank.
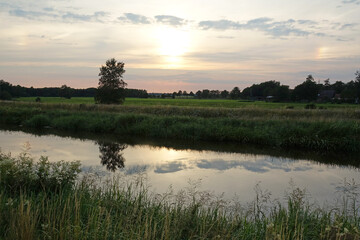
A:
(318, 130)
(41, 200)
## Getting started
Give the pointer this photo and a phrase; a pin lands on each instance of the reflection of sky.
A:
(220, 172)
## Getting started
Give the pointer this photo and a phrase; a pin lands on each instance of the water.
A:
(228, 168)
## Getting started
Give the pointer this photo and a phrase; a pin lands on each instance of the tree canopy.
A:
(111, 85)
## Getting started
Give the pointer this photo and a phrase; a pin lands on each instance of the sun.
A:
(172, 42)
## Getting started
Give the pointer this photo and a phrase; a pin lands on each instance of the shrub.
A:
(38, 121)
(22, 174)
(310, 106)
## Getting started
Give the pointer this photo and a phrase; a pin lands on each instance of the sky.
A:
(179, 45)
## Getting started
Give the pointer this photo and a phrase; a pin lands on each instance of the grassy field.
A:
(216, 103)
(336, 130)
(44, 200)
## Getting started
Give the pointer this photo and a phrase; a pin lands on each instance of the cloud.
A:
(170, 20)
(225, 37)
(95, 17)
(219, 25)
(348, 25)
(307, 22)
(49, 13)
(357, 2)
(31, 14)
(48, 9)
(266, 25)
(135, 18)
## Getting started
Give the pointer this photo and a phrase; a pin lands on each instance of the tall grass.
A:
(218, 103)
(127, 210)
(250, 113)
(275, 131)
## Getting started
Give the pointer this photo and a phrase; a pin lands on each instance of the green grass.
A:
(216, 103)
(128, 210)
(319, 130)
(322, 130)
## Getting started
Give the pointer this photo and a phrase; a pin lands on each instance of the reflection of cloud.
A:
(217, 164)
(170, 20)
(258, 166)
(170, 167)
(136, 169)
(135, 18)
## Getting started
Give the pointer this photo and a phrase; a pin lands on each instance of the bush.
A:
(38, 121)
(22, 174)
(5, 95)
(310, 106)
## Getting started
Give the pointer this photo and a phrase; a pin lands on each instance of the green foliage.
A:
(5, 95)
(21, 174)
(65, 92)
(308, 90)
(111, 84)
(203, 103)
(235, 93)
(46, 200)
(38, 121)
(321, 130)
(310, 106)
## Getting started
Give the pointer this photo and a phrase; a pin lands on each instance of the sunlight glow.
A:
(173, 42)
(322, 52)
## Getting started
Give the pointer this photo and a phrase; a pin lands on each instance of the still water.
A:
(228, 169)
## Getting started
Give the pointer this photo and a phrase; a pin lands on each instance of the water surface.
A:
(222, 168)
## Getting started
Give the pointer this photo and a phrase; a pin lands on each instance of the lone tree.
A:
(65, 92)
(111, 85)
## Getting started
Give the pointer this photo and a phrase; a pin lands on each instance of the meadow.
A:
(213, 103)
(336, 130)
(50, 200)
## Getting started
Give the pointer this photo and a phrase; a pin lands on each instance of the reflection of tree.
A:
(111, 155)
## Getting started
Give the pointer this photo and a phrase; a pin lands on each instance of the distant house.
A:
(326, 95)
(269, 99)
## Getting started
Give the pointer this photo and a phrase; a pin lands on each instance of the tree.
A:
(357, 84)
(308, 90)
(65, 92)
(224, 94)
(198, 94)
(111, 85)
(235, 93)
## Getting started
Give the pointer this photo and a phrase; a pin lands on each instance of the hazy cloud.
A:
(50, 13)
(270, 27)
(348, 25)
(357, 2)
(48, 9)
(219, 25)
(31, 14)
(225, 37)
(135, 18)
(170, 20)
(96, 17)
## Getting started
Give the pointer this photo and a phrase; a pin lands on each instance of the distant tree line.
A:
(308, 91)
(9, 91)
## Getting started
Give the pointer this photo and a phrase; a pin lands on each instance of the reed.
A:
(128, 210)
(274, 128)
